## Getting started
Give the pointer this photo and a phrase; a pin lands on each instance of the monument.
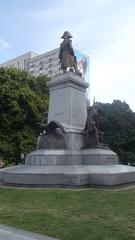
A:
(70, 151)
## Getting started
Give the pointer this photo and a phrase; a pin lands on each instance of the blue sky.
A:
(103, 29)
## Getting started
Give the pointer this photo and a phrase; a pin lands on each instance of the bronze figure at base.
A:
(93, 136)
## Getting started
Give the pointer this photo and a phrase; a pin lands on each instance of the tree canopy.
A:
(118, 123)
(23, 99)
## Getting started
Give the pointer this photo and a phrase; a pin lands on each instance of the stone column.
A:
(67, 103)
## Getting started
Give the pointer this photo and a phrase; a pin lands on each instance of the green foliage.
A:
(118, 124)
(23, 99)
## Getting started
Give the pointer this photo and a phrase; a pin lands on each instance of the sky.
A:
(102, 29)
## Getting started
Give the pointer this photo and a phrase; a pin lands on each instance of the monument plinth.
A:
(69, 165)
(67, 103)
(69, 151)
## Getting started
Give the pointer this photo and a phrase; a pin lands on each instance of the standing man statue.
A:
(91, 130)
(67, 56)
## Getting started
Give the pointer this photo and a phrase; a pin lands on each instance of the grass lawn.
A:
(93, 214)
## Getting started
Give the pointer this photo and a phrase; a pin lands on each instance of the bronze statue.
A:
(67, 56)
(52, 128)
(91, 130)
(51, 135)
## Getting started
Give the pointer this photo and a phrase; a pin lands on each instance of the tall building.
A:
(20, 62)
(47, 63)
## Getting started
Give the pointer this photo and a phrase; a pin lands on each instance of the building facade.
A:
(20, 62)
(47, 63)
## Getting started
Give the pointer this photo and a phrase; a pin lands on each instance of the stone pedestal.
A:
(67, 102)
(68, 106)
(67, 168)
(71, 166)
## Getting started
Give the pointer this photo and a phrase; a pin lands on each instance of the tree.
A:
(118, 123)
(23, 99)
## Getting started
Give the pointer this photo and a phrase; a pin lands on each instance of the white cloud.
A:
(4, 45)
(112, 71)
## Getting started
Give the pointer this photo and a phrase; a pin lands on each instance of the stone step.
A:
(71, 175)
(69, 157)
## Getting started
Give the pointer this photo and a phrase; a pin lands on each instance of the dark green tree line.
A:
(118, 123)
(23, 99)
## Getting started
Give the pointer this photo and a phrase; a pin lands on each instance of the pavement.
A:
(9, 233)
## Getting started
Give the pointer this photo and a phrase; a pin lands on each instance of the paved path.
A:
(9, 233)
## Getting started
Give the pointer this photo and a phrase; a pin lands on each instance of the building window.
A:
(50, 72)
(32, 65)
(42, 62)
(32, 72)
(50, 59)
(41, 68)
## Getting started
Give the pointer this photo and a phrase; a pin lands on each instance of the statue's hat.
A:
(66, 34)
